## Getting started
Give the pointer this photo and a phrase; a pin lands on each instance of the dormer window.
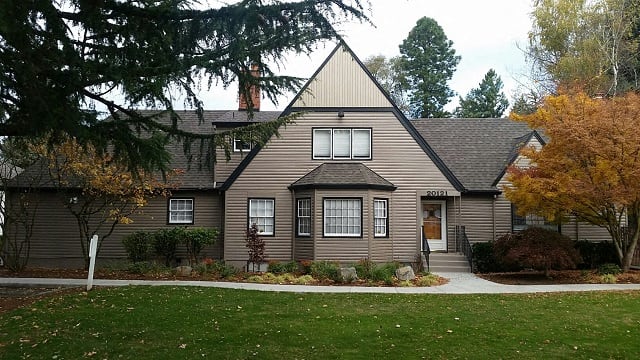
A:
(241, 146)
(342, 144)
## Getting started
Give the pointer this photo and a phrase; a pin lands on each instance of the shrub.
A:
(222, 269)
(325, 270)
(277, 267)
(195, 239)
(595, 254)
(484, 260)
(255, 244)
(385, 272)
(609, 269)
(364, 268)
(369, 270)
(147, 267)
(608, 278)
(538, 249)
(304, 280)
(427, 280)
(305, 266)
(138, 246)
(165, 242)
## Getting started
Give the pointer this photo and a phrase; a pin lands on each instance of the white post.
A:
(93, 249)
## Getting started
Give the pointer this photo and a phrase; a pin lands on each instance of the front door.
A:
(434, 224)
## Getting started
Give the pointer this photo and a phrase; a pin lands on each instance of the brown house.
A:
(353, 178)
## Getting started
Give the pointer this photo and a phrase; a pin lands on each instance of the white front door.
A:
(434, 224)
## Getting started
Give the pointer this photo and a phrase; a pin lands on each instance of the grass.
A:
(185, 323)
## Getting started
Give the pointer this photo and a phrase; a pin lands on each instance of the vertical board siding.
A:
(56, 235)
(395, 156)
(342, 83)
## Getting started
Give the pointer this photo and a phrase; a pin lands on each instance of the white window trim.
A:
(244, 147)
(326, 223)
(306, 217)
(272, 216)
(180, 211)
(332, 144)
(385, 218)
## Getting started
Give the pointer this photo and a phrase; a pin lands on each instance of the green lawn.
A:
(195, 323)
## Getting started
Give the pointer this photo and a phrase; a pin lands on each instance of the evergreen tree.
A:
(428, 61)
(485, 101)
(60, 60)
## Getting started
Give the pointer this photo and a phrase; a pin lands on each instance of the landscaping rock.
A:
(348, 274)
(405, 273)
(184, 270)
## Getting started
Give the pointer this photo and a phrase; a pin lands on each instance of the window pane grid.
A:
(342, 217)
(304, 217)
(181, 211)
(261, 213)
(380, 217)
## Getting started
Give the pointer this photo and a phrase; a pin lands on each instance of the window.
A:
(519, 223)
(342, 143)
(180, 211)
(380, 217)
(343, 217)
(262, 213)
(239, 145)
(304, 217)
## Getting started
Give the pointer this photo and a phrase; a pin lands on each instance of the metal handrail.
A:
(426, 250)
(464, 246)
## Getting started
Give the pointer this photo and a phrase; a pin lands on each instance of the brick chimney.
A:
(254, 92)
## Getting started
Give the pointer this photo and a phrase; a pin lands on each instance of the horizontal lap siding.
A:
(56, 235)
(396, 157)
(584, 231)
(477, 218)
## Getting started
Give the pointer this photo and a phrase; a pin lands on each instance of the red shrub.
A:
(538, 249)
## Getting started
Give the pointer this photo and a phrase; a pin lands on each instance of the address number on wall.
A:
(436, 193)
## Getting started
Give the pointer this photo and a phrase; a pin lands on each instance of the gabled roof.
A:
(478, 151)
(291, 108)
(342, 175)
(197, 175)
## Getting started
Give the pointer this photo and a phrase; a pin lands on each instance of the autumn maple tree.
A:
(99, 192)
(589, 169)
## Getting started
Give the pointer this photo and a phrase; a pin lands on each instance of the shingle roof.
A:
(476, 150)
(342, 175)
(196, 174)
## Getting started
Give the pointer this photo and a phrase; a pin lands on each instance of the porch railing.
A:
(463, 245)
(426, 250)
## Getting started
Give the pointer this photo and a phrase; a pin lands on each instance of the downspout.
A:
(293, 221)
(493, 216)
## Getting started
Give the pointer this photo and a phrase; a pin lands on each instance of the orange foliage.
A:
(590, 167)
(75, 166)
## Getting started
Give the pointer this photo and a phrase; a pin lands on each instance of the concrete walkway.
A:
(459, 283)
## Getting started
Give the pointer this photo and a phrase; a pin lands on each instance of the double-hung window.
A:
(180, 211)
(380, 217)
(342, 143)
(304, 217)
(262, 213)
(343, 217)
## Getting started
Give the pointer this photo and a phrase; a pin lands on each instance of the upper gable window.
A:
(342, 143)
(241, 146)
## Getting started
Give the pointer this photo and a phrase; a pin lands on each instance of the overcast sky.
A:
(485, 33)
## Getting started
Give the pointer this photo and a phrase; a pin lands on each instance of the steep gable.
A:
(341, 67)
(343, 84)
